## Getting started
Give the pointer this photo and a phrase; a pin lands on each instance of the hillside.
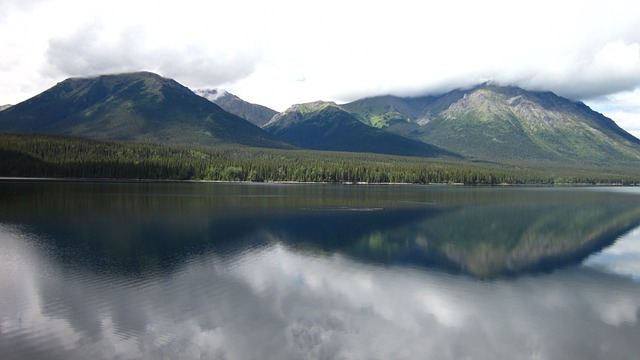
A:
(505, 124)
(256, 114)
(325, 126)
(137, 106)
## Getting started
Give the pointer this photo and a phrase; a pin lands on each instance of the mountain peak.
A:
(140, 82)
(311, 106)
(212, 94)
(129, 76)
(256, 114)
(301, 112)
(140, 106)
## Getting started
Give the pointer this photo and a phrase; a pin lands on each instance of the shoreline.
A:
(116, 180)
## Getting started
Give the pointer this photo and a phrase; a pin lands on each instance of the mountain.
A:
(492, 122)
(325, 126)
(256, 114)
(485, 123)
(138, 106)
(4, 107)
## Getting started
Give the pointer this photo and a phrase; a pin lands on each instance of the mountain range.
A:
(491, 122)
(485, 123)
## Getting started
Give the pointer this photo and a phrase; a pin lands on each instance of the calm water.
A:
(230, 271)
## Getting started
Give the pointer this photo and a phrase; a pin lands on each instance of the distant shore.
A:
(107, 180)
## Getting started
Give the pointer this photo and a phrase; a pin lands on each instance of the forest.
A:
(36, 156)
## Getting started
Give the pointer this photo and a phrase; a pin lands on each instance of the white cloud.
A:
(620, 258)
(91, 51)
(623, 107)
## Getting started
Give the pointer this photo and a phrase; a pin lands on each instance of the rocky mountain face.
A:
(325, 126)
(256, 114)
(137, 106)
(492, 122)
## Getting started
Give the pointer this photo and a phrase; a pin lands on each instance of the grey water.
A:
(316, 271)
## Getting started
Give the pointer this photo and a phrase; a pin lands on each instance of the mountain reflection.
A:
(483, 232)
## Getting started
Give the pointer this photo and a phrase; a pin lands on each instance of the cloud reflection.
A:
(274, 302)
(620, 258)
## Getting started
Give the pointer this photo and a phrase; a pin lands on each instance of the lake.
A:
(272, 271)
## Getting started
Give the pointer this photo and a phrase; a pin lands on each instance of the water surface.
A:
(239, 271)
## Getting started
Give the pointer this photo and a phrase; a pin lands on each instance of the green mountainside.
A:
(325, 126)
(505, 124)
(513, 135)
(256, 114)
(137, 106)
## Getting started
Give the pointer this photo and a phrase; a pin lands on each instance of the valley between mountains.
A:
(144, 126)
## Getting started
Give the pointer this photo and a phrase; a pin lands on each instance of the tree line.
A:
(63, 157)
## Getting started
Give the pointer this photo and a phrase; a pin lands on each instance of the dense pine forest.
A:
(63, 157)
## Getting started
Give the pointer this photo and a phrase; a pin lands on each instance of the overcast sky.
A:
(277, 53)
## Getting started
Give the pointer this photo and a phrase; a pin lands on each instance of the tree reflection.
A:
(483, 232)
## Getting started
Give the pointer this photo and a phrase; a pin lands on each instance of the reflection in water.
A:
(621, 258)
(484, 232)
(274, 302)
(483, 240)
(248, 272)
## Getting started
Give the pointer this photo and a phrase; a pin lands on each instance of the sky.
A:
(278, 53)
